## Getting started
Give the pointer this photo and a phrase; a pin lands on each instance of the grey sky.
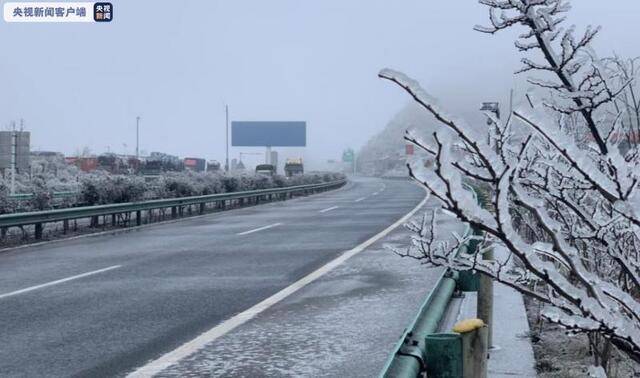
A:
(177, 63)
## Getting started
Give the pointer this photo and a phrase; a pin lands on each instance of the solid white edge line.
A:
(190, 347)
(259, 229)
(329, 209)
(360, 199)
(32, 288)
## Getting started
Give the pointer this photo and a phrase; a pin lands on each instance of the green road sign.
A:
(347, 156)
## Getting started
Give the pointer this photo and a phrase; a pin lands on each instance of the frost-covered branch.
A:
(561, 194)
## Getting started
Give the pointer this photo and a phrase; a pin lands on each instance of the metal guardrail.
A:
(38, 218)
(28, 196)
(410, 353)
(409, 357)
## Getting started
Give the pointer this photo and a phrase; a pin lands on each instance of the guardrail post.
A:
(65, 226)
(3, 233)
(138, 218)
(174, 212)
(468, 280)
(474, 335)
(38, 231)
(114, 220)
(484, 309)
(202, 207)
(444, 355)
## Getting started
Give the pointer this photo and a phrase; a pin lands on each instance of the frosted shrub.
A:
(103, 188)
(5, 204)
(41, 199)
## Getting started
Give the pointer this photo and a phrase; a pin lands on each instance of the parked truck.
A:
(293, 167)
(266, 169)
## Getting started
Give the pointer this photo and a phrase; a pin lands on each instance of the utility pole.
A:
(226, 139)
(492, 107)
(484, 305)
(138, 138)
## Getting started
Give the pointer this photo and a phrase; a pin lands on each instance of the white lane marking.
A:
(361, 199)
(329, 209)
(32, 288)
(259, 229)
(190, 347)
(375, 194)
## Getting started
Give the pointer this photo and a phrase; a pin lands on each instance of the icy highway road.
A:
(108, 305)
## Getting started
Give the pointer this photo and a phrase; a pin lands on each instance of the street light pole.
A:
(138, 138)
(226, 139)
(14, 142)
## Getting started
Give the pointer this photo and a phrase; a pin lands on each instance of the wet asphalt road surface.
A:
(104, 305)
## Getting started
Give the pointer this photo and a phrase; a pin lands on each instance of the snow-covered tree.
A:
(565, 179)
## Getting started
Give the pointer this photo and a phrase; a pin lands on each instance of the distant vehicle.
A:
(293, 167)
(266, 169)
(195, 164)
(86, 164)
(213, 166)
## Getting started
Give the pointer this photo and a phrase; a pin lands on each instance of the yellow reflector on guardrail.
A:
(468, 325)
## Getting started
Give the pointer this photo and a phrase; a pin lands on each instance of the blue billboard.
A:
(268, 134)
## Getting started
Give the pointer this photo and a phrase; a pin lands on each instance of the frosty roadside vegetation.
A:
(561, 175)
(101, 187)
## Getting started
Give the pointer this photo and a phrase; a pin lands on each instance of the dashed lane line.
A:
(329, 209)
(259, 229)
(57, 282)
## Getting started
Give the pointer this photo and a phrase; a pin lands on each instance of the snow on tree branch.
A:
(561, 195)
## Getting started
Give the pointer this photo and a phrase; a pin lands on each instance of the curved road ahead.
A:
(106, 305)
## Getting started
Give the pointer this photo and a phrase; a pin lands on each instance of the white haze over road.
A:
(177, 63)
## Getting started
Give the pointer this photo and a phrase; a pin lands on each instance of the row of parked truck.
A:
(292, 167)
